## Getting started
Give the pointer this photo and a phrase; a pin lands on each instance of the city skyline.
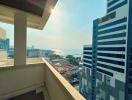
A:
(66, 28)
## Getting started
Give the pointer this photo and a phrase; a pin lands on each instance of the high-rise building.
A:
(112, 53)
(85, 84)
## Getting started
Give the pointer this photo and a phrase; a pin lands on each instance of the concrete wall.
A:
(58, 88)
(20, 79)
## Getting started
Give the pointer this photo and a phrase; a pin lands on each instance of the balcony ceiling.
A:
(37, 11)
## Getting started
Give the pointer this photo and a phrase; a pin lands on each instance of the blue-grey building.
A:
(111, 68)
(85, 86)
(4, 44)
(110, 52)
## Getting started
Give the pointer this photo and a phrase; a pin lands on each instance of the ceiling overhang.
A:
(37, 11)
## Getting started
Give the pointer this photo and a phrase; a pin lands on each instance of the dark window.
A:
(112, 61)
(112, 36)
(130, 73)
(112, 2)
(113, 29)
(130, 65)
(86, 52)
(117, 6)
(112, 42)
(129, 90)
(105, 72)
(111, 48)
(112, 55)
(93, 61)
(111, 67)
(85, 65)
(131, 50)
(130, 80)
(87, 48)
(114, 23)
(88, 57)
(131, 57)
(87, 61)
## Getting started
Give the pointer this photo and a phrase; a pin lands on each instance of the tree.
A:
(72, 60)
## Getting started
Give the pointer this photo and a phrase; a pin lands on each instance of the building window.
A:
(130, 73)
(130, 65)
(129, 90)
(130, 80)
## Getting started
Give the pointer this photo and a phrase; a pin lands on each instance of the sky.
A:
(69, 26)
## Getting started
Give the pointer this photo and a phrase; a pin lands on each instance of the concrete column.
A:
(20, 38)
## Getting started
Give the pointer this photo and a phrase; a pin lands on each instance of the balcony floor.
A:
(29, 96)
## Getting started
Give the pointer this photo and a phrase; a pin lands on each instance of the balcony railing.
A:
(42, 77)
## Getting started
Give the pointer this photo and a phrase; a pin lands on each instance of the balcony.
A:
(40, 77)
(37, 78)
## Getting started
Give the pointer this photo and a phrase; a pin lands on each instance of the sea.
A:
(65, 52)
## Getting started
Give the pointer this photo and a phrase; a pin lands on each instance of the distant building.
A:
(4, 45)
(11, 52)
(31, 53)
